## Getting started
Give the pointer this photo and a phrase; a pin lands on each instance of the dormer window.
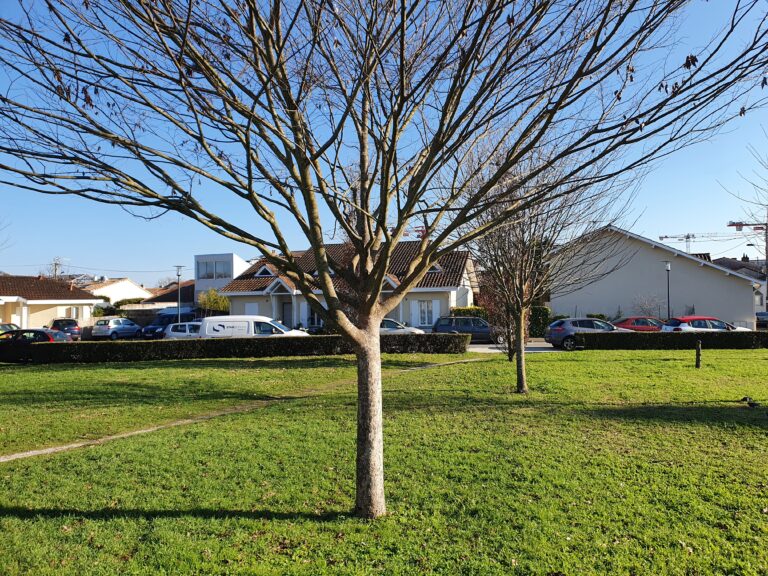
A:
(264, 271)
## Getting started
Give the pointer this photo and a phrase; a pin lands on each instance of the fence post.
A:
(698, 353)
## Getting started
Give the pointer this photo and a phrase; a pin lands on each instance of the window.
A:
(179, 328)
(479, 323)
(641, 322)
(718, 325)
(445, 322)
(390, 324)
(263, 328)
(464, 323)
(205, 270)
(263, 271)
(699, 324)
(223, 269)
(314, 318)
(425, 312)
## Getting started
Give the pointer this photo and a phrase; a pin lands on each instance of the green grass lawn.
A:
(616, 463)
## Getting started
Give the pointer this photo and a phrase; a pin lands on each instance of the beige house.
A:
(451, 282)
(636, 284)
(32, 301)
(117, 289)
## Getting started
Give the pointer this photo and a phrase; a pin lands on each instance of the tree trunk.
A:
(520, 321)
(509, 331)
(370, 502)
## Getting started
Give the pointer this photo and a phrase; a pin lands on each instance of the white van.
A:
(244, 327)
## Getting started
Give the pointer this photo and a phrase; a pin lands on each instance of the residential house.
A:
(636, 278)
(117, 289)
(169, 296)
(33, 301)
(262, 290)
(752, 268)
(216, 271)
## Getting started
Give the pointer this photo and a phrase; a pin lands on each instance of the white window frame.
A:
(425, 313)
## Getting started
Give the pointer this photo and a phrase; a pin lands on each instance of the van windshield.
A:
(281, 326)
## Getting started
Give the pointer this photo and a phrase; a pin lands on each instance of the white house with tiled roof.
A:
(117, 289)
(262, 290)
(33, 301)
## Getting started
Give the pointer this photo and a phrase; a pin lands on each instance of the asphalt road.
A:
(535, 345)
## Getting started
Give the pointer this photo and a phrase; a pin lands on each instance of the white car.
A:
(183, 330)
(244, 326)
(700, 324)
(389, 326)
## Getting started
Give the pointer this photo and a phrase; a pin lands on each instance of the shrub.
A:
(539, 321)
(478, 311)
(671, 340)
(598, 316)
(121, 303)
(140, 350)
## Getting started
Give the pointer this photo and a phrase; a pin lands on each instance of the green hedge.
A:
(671, 340)
(140, 350)
(477, 311)
(539, 321)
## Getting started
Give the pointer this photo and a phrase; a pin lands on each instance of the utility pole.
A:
(758, 227)
(178, 292)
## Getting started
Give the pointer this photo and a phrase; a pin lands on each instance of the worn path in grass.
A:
(231, 410)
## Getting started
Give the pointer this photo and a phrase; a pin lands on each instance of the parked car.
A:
(7, 327)
(25, 336)
(761, 320)
(478, 328)
(700, 324)
(183, 330)
(66, 325)
(156, 329)
(389, 326)
(640, 323)
(114, 328)
(244, 327)
(561, 333)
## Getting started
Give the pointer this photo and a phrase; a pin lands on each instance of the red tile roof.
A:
(449, 270)
(171, 294)
(41, 288)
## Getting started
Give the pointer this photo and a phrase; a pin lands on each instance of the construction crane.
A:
(698, 236)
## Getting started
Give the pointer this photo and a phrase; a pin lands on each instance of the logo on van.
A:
(218, 327)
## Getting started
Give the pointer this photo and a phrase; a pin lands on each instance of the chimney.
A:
(745, 258)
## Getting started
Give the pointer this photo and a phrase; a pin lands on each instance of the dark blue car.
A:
(478, 328)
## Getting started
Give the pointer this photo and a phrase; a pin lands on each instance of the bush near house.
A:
(598, 316)
(477, 311)
(671, 340)
(135, 351)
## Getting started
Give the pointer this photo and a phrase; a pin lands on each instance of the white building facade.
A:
(637, 285)
(216, 271)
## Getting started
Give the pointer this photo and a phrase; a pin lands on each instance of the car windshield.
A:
(281, 326)
(65, 323)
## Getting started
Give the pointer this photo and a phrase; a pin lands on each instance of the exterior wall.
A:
(123, 290)
(694, 288)
(236, 267)
(245, 304)
(441, 303)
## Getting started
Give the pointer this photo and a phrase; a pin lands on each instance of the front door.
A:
(287, 317)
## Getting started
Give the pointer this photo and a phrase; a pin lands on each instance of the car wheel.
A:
(113, 336)
(500, 339)
(569, 344)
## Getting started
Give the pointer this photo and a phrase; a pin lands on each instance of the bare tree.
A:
(368, 116)
(648, 304)
(552, 248)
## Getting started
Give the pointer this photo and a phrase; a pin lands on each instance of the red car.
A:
(640, 323)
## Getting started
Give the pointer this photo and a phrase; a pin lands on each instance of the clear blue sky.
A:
(684, 193)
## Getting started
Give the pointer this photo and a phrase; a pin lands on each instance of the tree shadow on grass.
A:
(128, 395)
(285, 363)
(715, 413)
(25, 513)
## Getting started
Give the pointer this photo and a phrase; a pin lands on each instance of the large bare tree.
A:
(267, 121)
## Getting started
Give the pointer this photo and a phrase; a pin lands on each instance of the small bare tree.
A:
(648, 304)
(553, 248)
(370, 117)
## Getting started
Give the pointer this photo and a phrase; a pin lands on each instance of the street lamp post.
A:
(668, 266)
(178, 293)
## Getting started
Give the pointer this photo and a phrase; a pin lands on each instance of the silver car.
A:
(561, 333)
(114, 328)
(183, 330)
(389, 326)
